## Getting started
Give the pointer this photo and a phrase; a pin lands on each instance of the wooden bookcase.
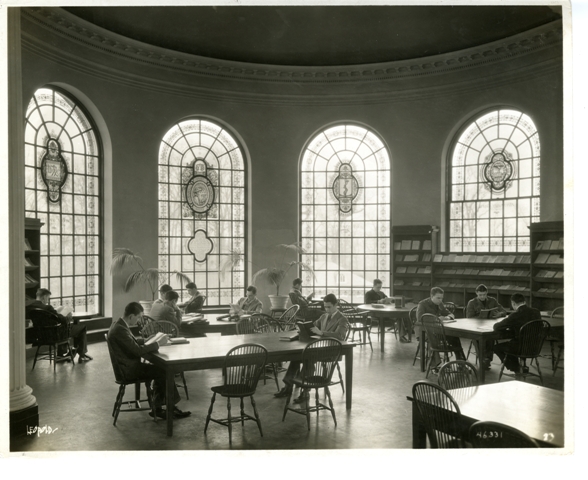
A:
(32, 257)
(503, 273)
(547, 267)
(413, 248)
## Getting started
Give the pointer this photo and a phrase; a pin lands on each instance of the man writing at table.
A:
(474, 310)
(434, 305)
(332, 324)
(521, 315)
(78, 332)
(126, 352)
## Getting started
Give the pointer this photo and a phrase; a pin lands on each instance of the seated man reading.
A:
(162, 291)
(168, 310)
(375, 295)
(303, 302)
(434, 305)
(475, 307)
(332, 324)
(196, 301)
(78, 332)
(247, 305)
(521, 315)
(127, 351)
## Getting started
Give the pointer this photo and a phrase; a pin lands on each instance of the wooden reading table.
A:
(382, 312)
(206, 353)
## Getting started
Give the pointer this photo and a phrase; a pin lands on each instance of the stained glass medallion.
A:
(53, 170)
(345, 187)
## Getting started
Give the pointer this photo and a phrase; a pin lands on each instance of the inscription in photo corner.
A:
(41, 430)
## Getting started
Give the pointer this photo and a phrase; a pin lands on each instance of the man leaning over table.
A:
(126, 352)
(196, 300)
(78, 332)
(434, 305)
(162, 291)
(521, 315)
(168, 310)
(474, 309)
(332, 324)
(375, 295)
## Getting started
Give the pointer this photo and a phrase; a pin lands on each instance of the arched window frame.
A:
(54, 254)
(207, 272)
(373, 258)
(525, 177)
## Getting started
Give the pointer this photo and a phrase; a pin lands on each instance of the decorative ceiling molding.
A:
(67, 25)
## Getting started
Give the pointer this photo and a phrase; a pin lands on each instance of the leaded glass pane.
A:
(353, 231)
(504, 136)
(223, 222)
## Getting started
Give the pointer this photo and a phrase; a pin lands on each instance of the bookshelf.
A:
(459, 275)
(32, 257)
(413, 247)
(547, 267)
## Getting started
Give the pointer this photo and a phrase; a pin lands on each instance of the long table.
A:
(205, 353)
(479, 330)
(383, 312)
(224, 327)
(532, 409)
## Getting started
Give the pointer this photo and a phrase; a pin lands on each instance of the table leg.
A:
(409, 329)
(419, 434)
(348, 378)
(382, 321)
(482, 359)
(423, 340)
(169, 400)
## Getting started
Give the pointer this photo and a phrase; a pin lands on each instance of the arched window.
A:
(495, 184)
(62, 189)
(345, 211)
(202, 207)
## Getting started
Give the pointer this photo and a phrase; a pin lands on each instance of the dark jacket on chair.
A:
(126, 352)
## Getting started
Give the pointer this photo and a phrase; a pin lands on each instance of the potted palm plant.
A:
(152, 277)
(274, 274)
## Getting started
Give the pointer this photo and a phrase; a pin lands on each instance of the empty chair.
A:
(241, 371)
(319, 359)
(257, 324)
(497, 435)
(49, 331)
(358, 323)
(436, 339)
(556, 340)
(457, 374)
(440, 415)
(120, 379)
(528, 345)
(412, 316)
(170, 329)
(287, 320)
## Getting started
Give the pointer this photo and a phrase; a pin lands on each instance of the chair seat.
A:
(232, 391)
(312, 381)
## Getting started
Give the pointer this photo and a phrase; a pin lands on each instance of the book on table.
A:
(178, 340)
(488, 312)
(305, 330)
(155, 338)
(289, 336)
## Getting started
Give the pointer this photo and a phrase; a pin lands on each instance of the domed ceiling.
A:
(318, 35)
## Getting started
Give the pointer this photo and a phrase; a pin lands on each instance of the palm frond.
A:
(181, 277)
(294, 247)
(273, 276)
(232, 260)
(122, 257)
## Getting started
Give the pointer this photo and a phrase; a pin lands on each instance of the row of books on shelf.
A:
(495, 271)
(416, 283)
(413, 245)
(425, 257)
(551, 290)
(549, 258)
(550, 244)
(29, 279)
(549, 274)
(473, 286)
(422, 270)
(28, 263)
(453, 258)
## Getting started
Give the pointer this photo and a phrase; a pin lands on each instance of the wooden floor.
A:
(77, 402)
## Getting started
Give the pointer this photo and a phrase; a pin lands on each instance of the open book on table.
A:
(304, 329)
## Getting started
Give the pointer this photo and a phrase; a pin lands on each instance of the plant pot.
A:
(278, 301)
(146, 306)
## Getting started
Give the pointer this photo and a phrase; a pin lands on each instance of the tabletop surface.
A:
(535, 410)
(217, 347)
(486, 325)
(385, 308)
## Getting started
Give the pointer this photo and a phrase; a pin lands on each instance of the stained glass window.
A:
(495, 184)
(345, 211)
(202, 208)
(60, 137)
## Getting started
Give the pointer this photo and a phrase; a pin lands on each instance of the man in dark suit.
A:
(78, 332)
(521, 315)
(126, 352)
